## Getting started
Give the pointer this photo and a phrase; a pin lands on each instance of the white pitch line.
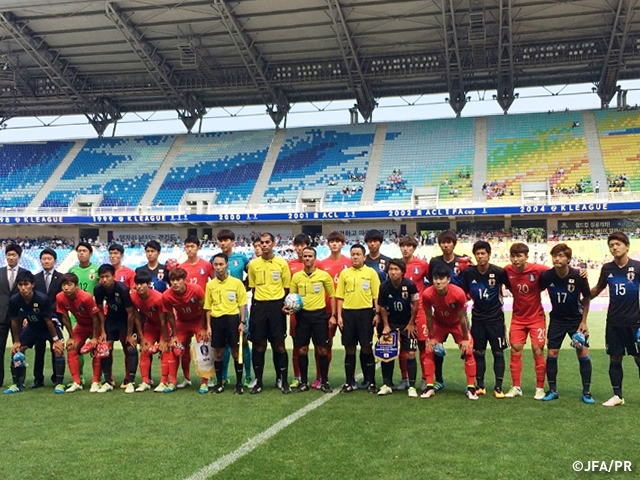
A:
(258, 440)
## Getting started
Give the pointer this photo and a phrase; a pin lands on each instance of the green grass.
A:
(150, 435)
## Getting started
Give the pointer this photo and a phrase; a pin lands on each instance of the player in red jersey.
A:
(81, 304)
(149, 305)
(333, 265)
(199, 271)
(123, 274)
(527, 319)
(183, 303)
(445, 307)
(418, 272)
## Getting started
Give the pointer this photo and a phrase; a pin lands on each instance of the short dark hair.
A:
(518, 248)
(440, 271)
(447, 236)
(398, 262)
(268, 234)
(192, 239)
(255, 240)
(311, 249)
(69, 278)
(154, 245)
(226, 234)
(86, 245)
(177, 273)
(408, 240)
(116, 247)
(302, 239)
(142, 277)
(25, 276)
(481, 245)
(106, 268)
(373, 235)
(620, 236)
(562, 248)
(49, 251)
(13, 247)
(220, 255)
(336, 236)
(357, 245)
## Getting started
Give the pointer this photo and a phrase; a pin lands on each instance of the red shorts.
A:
(440, 333)
(421, 327)
(152, 333)
(185, 331)
(81, 333)
(519, 331)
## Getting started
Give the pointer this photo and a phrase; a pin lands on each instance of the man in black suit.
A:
(49, 282)
(8, 287)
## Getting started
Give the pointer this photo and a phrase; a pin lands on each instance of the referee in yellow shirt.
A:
(313, 285)
(224, 305)
(358, 313)
(269, 278)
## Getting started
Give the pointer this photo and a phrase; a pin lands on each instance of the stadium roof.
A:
(105, 58)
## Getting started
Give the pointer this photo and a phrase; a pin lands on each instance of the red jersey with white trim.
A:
(296, 265)
(126, 276)
(198, 273)
(525, 287)
(445, 308)
(82, 307)
(188, 306)
(151, 307)
(334, 267)
(418, 272)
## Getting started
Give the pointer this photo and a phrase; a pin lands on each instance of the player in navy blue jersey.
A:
(156, 270)
(374, 259)
(120, 323)
(622, 276)
(483, 283)
(398, 300)
(570, 298)
(36, 308)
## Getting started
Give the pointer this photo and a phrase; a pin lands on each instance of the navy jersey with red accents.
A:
(435, 262)
(379, 264)
(397, 301)
(159, 276)
(33, 311)
(624, 305)
(117, 299)
(566, 294)
(485, 289)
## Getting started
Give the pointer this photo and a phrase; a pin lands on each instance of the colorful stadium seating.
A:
(428, 153)
(25, 168)
(322, 158)
(537, 147)
(228, 162)
(120, 168)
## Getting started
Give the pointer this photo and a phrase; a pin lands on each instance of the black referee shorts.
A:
(224, 331)
(312, 324)
(358, 327)
(268, 321)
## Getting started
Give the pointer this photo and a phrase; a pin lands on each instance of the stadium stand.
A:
(619, 134)
(427, 153)
(534, 148)
(120, 168)
(230, 162)
(334, 159)
(25, 168)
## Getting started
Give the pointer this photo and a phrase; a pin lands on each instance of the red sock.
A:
(97, 369)
(296, 365)
(145, 366)
(423, 364)
(429, 367)
(470, 367)
(541, 369)
(403, 364)
(165, 359)
(516, 368)
(74, 366)
(173, 369)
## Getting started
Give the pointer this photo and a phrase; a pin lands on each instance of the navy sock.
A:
(585, 373)
(412, 370)
(498, 368)
(552, 373)
(615, 375)
(58, 369)
(481, 368)
(387, 373)
(132, 363)
(439, 361)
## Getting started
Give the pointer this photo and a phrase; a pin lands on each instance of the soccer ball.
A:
(155, 348)
(86, 348)
(19, 360)
(102, 350)
(293, 302)
(178, 348)
(578, 340)
(438, 350)
(171, 264)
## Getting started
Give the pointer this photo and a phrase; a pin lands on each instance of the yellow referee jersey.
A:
(269, 278)
(358, 287)
(312, 288)
(226, 297)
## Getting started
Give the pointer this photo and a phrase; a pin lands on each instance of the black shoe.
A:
(286, 389)
(257, 388)
(239, 390)
(326, 388)
(303, 387)
(371, 388)
(346, 388)
(217, 389)
(37, 385)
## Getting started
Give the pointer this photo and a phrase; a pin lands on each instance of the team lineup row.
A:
(365, 296)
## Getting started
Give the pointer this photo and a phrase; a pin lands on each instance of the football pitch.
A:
(312, 435)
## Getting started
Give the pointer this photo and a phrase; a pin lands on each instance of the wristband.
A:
(55, 339)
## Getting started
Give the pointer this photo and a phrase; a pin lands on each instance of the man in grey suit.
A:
(8, 287)
(49, 282)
